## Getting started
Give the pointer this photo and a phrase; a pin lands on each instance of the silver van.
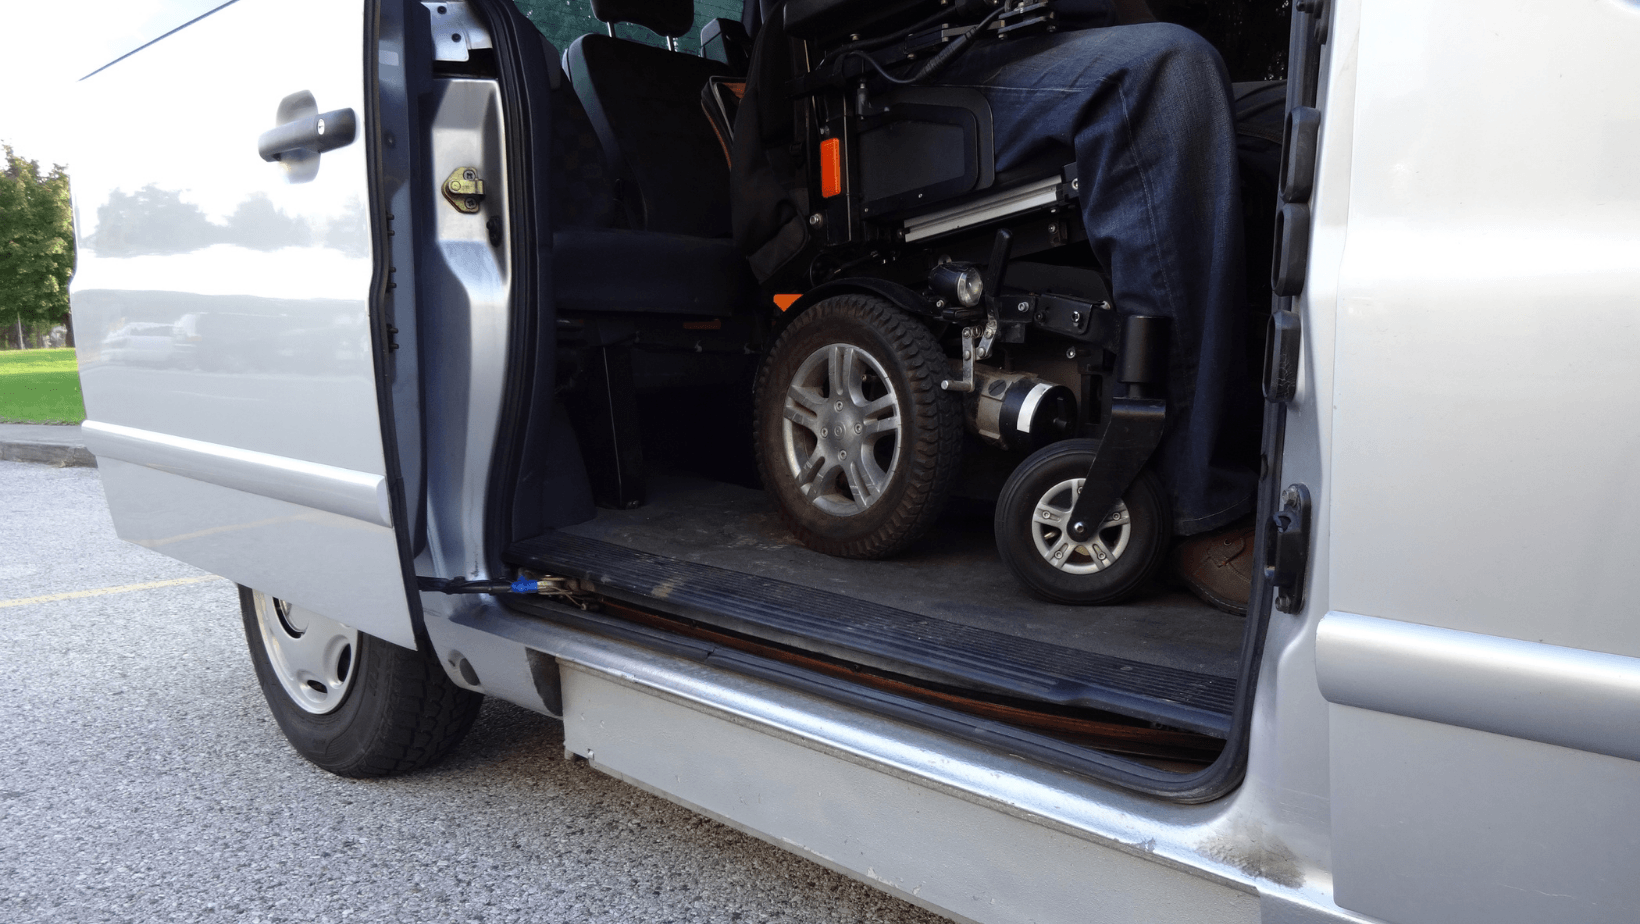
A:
(461, 390)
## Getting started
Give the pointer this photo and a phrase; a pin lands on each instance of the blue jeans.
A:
(1147, 109)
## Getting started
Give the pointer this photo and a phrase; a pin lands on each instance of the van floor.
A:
(953, 574)
(712, 551)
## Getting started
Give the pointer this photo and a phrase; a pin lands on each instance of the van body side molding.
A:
(359, 495)
(1587, 700)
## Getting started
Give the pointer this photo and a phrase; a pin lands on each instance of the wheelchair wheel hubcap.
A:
(842, 429)
(1099, 551)
(312, 655)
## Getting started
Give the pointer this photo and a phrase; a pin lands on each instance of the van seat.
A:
(644, 105)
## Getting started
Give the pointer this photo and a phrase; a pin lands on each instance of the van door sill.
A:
(886, 638)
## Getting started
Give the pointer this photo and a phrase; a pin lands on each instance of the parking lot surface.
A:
(144, 780)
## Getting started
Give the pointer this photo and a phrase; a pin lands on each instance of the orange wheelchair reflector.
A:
(831, 167)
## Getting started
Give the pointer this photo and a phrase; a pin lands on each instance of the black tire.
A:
(398, 713)
(918, 461)
(1136, 556)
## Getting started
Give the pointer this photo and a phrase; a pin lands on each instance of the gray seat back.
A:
(644, 104)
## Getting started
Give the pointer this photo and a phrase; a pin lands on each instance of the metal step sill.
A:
(888, 639)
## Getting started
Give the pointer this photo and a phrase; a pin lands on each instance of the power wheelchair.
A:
(916, 293)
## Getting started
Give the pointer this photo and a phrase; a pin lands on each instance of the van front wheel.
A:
(349, 702)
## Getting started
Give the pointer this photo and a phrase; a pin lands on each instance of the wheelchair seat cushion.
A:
(644, 104)
(606, 270)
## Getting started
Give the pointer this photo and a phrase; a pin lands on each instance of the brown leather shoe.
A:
(1218, 567)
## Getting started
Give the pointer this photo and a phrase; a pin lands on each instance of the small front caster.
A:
(1107, 566)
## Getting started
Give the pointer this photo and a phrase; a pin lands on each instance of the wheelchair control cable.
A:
(937, 63)
(556, 586)
(465, 586)
(883, 41)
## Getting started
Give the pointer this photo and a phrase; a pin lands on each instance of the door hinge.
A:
(1287, 548)
(464, 190)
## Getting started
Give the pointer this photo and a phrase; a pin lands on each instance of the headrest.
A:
(671, 18)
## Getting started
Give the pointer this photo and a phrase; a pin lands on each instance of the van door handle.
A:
(321, 132)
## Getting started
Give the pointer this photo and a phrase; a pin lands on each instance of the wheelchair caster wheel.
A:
(855, 440)
(1115, 561)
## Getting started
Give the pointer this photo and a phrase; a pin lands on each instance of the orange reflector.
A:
(786, 301)
(831, 167)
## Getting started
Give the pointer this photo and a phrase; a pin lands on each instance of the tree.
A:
(259, 225)
(36, 244)
(150, 221)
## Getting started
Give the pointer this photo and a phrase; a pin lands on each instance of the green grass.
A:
(40, 386)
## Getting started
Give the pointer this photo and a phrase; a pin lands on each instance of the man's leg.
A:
(1147, 111)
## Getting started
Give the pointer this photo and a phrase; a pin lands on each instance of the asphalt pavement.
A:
(143, 779)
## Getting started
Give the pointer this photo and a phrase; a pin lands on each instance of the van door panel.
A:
(245, 438)
(1480, 650)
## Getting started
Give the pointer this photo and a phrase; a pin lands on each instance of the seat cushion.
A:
(642, 271)
(644, 105)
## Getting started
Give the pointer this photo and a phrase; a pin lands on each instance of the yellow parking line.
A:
(122, 589)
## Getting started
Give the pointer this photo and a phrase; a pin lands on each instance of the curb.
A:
(59, 455)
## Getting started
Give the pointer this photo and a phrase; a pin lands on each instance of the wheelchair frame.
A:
(889, 237)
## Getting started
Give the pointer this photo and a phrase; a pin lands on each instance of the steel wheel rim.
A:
(313, 656)
(841, 429)
(1102, 548)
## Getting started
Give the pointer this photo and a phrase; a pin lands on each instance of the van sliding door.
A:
(223, 198)
(1481, 655)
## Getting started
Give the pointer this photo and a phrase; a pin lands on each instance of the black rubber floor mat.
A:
(885, 638)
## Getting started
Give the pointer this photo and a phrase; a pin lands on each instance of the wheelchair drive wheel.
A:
(1114, 562)
(855, 439)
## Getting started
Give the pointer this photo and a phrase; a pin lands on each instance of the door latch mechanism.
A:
(1287, 548)
(464, 190)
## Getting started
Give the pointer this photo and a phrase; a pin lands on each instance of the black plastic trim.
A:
(1282, 341)
(1287, 560)
(381, 345)
(524, 75)
(1302, 142)
(960, 107)
(1292, 248)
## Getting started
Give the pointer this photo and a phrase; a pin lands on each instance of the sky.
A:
(67, 39)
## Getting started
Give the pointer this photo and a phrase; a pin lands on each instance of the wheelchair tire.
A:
(1121, 556)
(855, 439)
